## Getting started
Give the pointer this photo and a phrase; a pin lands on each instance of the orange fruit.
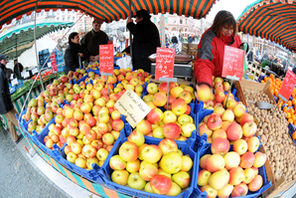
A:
(294, 135)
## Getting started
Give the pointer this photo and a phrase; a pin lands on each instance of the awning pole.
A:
(130, 34)
(16, 46)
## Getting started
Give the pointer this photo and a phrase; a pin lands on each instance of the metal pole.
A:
(130, 34)
(16, 46)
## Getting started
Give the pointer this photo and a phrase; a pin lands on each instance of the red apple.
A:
(171, 130)
(237, 175)
(179, 106)
(256, 183)
(160, 184)
(220, 146)
(215, 163)
(167, 145)
(240, 190)
(234, 131)
(129, 151)
(204, 93)
(249, 129)
(247, 160)
(214, 122)
(155, 116)
(159, 99)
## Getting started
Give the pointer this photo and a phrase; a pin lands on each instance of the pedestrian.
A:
(6, 106)
(210, 54)
(18, 68)
(145, 40)
(92, 40)
(73, 53)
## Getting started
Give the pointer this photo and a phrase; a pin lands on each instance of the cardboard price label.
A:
(165, 58)
(133, 107)
(53, 62)
(14, 82)
(233, 62)
(25, 74)
(288, 85)
(34, 71)
(106, 58)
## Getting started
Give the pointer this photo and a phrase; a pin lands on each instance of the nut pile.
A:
(273, 129)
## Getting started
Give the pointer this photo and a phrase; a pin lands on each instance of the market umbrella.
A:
(19, 38)
(107, 10)
(274, 20)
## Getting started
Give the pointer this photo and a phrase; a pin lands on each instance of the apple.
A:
(187, 129)
(80, 162)
(70, 139)
(167, 145)
(237, 175)
(176, 91)
(253, 144)
(240, 146)
(90, 135)
(225, 191)
(203, 161)
(161, 184)
(240, 190)
(174, 190)
(148, 98)
(147, 170)
(260, 159)
(203, 129)
(219, 109)
(234, 131)
(133, 166)
(171, 130)
(144, 127)
(214, 122)
(219, 96)
(148, 188)
(181, 178)
(152, 88)
(220, 146)
(71, 157)
(76, 148)
(246, 117)
(204, 93)
(239, 109)
(117, 163)
(232, 159)
(219, 179)
(158, 132)
(250, 174)
(155, 116)
(115, 115)
(169, 117)
(136, 137)
(256, 183)
(184, 119)
(203, 177)
(228, 115)
(162, 172)
(108, 139)
(102, 154)
(159, 99)
(129, 151)
(120, 177)
(247, 160)
(151, 153)
(89, 151)
(249, 129)
(212, 193)
(171, 162)
(215, 163)
(219, 133)
(187, 163)
(135, 181)
(179, 106)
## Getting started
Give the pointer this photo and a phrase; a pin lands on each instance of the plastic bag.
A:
(125, 62)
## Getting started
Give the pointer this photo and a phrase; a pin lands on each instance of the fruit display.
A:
(273, 130)
(176, 121)
(161, 167)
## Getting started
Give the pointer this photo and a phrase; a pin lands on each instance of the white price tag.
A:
(49, 64)
(25, 74)
(34, 71)
(14, 82)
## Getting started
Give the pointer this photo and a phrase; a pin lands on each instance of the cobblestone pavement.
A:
(18, 178)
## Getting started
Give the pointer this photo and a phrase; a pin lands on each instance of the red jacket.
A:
(210, 54)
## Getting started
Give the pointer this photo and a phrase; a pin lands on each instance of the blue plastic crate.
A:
(107, 171)
(266, 184)
(292, 128)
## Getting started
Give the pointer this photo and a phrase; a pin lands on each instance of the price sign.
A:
(14, 82)
(233, 62)
(164, 67)
(25, 74)
(34, 71)
(53, 62)
(288, 85)
(133, 107)
(106, 58)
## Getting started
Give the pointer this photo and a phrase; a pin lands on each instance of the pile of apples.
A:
(161, 169)
(173, 122)
(230, 171)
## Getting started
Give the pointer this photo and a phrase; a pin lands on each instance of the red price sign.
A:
(165, 58)
(288, 85)
(106, 58)
(53, 62)
(233, 62)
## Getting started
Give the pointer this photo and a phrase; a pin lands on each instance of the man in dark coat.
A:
(145, 40)
(18, 68)
(92, 40)
(6, 106)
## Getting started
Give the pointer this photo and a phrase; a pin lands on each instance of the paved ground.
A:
(18, 178)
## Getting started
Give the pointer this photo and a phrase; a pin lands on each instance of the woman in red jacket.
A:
(210, 52)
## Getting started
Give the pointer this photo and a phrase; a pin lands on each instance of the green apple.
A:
(135, 181)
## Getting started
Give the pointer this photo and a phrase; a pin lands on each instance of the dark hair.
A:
(72, 35)
(143, 13)
(222, 18)
(174, 39)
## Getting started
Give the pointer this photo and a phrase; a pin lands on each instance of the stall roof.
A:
(274, 20)
(107, 10)
(22, 36)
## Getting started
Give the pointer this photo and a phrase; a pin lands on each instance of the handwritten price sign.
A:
(53, 62)
(233, 62)
(106, 58)
(287, 86)
(165, 58)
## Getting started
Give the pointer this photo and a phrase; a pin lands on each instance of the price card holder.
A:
(106, 58)
(25, 74)
(14, 82)
(133, 107)
(233, 62)
(164, 67)
(287, 86)
(34, 71)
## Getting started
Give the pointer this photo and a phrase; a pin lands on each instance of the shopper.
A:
(210, 54)
(92, 40)
(6, 106)
(73, 53)
(18, 68)
(145, 40)
(175, 44)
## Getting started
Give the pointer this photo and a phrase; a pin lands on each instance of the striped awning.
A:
(106, 10)
(274, 20)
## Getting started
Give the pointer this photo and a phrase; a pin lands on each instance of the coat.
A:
(71, 57)
(5, 100)
(91, 41)
(210, 56)
(145, 41)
